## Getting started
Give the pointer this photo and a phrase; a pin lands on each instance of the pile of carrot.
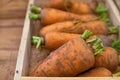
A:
(82, 40)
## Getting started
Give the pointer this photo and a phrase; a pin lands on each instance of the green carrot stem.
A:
(101, 8)
(113, 30)
(97, 45)
(38, 41)
(117, 74)
(97, 42)
(116, 44)
(35, 9)
(86, 34)
(92, 40)
(104, 17)
(98, 51)
(33, 16)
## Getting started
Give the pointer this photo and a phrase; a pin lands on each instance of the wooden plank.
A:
(13, 8)
(11, 22)
(7, 64)
(70, 78)
(37, 57)
(118, 4)
(10, 38)
(114, 13)
(25, 48)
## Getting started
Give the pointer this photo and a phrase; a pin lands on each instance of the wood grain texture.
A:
(11, 23)
(69, 78)
(7, 64)
(117, 2)
(12, 15)
(37, 57)
(13, 8)
(10, 38)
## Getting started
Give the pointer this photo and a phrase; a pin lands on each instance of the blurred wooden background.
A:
(12, 8)
(12, 13)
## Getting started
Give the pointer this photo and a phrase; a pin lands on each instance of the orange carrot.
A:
(97, 72)
(57, 38)
(105, 56)
(70, 59)
(49, 16)
(107, 59)
(97, 27)
(80, 7)
(54, 40)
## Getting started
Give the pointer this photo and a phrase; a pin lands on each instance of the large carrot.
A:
(97, 27)
(80, 7)
(107, 59)
(70, 59)
(49, 16)
(97, 72)
(54, 40)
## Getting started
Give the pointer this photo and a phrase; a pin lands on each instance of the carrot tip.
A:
(35, 9)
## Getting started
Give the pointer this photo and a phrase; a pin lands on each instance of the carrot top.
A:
(116, 44)
(101, 8)
(86, 34)
(97, 45)
(113, 30)
(104, 16)
(37, 41)
(35, 9)
(117, 74)
(33, 16)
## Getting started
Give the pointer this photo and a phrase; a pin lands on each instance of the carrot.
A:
(57, 38)
(105, 56)
(54, 40)
(97, 27)
(107, 59)
(97, 72)
(57, 4)
(80, 7)
(49, 16)
(70, 59)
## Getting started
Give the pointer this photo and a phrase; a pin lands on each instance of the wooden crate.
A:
(117, 2)
(23, 61)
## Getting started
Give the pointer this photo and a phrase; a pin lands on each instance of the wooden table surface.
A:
(12, 15)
